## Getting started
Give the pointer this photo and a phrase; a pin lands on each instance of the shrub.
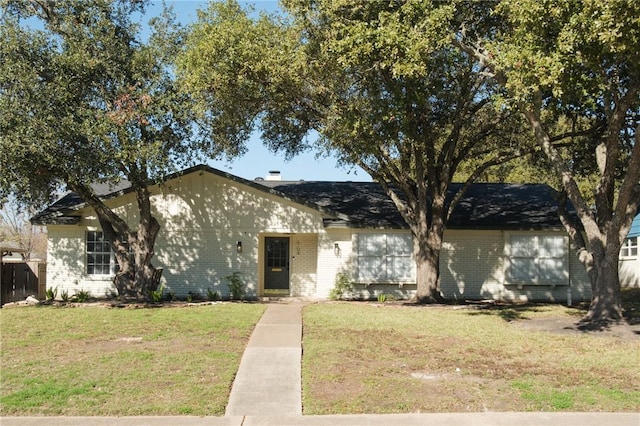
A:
(156, 295)
(213, 296)
(82, 296)
(64, 295)
(170, 296)
(342, 287)
(236, 286)
(51, 293)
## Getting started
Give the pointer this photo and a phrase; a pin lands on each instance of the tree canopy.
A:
(578, 62)
(86, 97)
(379, 83)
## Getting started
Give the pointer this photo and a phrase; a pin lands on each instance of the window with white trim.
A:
(629, 248)
(100, 259)
(537, 259)
(384, 258)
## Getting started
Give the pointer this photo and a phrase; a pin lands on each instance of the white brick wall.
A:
(202, 217)
(472, 266)
(304, 265)
(629, 272)
(66, 263)
(330, 262)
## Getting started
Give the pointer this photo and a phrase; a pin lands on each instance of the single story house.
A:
(293, 238)
(629, 264)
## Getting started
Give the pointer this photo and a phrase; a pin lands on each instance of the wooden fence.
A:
(20, 280)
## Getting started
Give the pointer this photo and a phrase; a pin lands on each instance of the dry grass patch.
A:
(107, 361)
(385, 358)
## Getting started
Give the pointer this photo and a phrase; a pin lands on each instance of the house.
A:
(629, 264)
(503, 241)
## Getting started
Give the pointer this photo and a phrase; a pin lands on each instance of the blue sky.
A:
(258, 161)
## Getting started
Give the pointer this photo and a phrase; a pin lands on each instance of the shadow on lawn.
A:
(508, 312)
(513, 312)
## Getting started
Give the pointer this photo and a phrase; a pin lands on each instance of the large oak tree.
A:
(578, 59)
(380, 85)
(86, 97)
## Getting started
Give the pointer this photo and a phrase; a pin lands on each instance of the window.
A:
(537, 259)
(384, 258)
(100, 259)
(629, 247)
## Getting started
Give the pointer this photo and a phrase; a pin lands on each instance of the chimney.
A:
(274, 175)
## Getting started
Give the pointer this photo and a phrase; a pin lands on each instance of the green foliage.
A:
(89, 97)
(64, 295)
(237, 288)
(382, 298)
(158, 294)
(81, 296)
(342, 287)
(171, 296)
(377, 82)
(573, 70)
(51, 293)
(212, 295)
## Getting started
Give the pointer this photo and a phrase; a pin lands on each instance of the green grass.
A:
(109, 361)
(371, 358)
(358, 358)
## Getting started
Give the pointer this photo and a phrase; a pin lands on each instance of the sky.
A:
(258, 160)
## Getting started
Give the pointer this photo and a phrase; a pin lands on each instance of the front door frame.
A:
(283, 266)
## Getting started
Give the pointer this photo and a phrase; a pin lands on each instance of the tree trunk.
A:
(605, 304)
(148, 230)
(133, 249)
(427, 244)
(605, 307)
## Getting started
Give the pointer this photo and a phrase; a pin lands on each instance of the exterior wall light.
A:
(336, 249)
(239, 246)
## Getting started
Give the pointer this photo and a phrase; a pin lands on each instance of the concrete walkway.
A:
(268, 382)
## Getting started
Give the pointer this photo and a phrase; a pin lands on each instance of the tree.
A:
(380, 83)
(579, 60)
(15, 227)
(84, 99)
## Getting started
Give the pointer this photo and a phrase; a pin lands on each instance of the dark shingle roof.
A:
(366, 205)
(61, 211)
(484, 206)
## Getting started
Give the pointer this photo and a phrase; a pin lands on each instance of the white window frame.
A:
(97, 238)
(630, 248)
(377, 260)
(533, 252)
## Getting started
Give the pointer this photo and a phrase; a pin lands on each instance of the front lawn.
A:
(392, 358)
(90, 361)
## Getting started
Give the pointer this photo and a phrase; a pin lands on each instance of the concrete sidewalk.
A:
(446, 419)
(268, 382)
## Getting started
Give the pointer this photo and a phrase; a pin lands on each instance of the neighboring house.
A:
(629, 264)
(503, 241)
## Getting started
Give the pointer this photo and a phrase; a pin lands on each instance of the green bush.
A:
(171, 296)
(213, 296)
(81, 296)
(236, 286)
(156, 295)
(51, 293)
(341, 288)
